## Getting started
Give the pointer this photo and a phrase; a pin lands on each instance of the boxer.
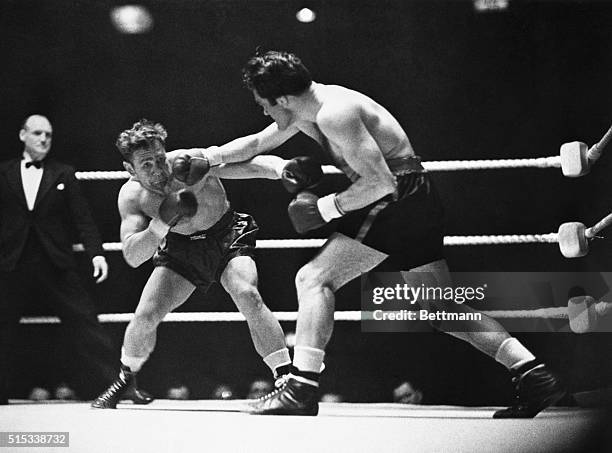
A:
(174, 209)
(389, 219)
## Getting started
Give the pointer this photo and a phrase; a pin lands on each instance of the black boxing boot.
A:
(295, 396)
(137, 395)
(536, 389)
(123, 388)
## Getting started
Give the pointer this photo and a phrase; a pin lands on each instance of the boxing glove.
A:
(301, 173)
(189, 169)
(308, 212)
(176, 206)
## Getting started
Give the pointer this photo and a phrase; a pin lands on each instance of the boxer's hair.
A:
(276, 73)
(142, 134)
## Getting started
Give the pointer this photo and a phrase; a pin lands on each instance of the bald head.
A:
(36, 134)
(34, 119)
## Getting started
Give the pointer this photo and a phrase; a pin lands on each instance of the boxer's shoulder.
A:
(130, 189)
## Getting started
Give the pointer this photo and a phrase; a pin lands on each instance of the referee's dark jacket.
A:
(59, 207)
(38, 269)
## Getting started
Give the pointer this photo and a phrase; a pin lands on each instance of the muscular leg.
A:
(240, 280)
(486, 335)
(536, 387)
(164, 291)
(340, 260)
(317, 303)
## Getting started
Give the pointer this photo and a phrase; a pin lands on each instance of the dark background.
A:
(465, 85)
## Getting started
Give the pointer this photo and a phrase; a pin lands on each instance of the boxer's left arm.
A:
(344, 128)
(266, 167)
(238, 150)
(244, 148)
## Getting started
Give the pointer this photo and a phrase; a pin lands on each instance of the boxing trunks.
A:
(406, 225)
(202, 256)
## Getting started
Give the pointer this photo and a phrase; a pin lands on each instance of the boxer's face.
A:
(150, 167)
(282, 115)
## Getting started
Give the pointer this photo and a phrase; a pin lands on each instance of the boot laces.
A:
(281, 381)
(114, 388)
(280, 386)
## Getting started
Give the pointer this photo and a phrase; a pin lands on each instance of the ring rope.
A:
(449, 165)
(316, 243)
(291, 316)
(101, 175)
(542, 162)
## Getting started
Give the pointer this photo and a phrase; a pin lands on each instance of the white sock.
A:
(277, 358)
(512, 354)
(308, 359)
(133, 363)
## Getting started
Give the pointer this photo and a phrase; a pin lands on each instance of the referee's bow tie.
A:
(35, 163)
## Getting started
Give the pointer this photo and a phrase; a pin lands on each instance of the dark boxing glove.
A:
(301, 173)
(189, 169)
(309, 212)
(176, 206)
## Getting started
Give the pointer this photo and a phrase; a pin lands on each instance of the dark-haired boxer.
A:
(174, 209)
(390, 218)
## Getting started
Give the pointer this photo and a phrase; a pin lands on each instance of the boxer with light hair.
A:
(174, 209)
(390, 219)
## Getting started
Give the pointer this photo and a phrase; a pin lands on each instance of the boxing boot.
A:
(536, 389)
(292, 397)
(123, 388)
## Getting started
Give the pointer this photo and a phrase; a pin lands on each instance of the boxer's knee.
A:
(250, 294)
(240, 278)
(246, 297)
(310, 278)
(306, 278)
(147, 320)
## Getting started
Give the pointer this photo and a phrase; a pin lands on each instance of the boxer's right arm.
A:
(141, 237)
(138, 241)
(247, 147)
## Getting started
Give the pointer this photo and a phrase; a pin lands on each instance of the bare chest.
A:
(313, 131)
(212, 204)
(334, 151)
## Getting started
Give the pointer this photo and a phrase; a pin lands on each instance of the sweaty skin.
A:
(140, 197)
(360, 135)
(139, 200)
(378, 123)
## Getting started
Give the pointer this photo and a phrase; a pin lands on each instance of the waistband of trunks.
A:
(222, 224)
(406, 165)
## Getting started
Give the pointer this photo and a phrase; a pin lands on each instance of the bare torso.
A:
(382, 126)
(210, 193)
